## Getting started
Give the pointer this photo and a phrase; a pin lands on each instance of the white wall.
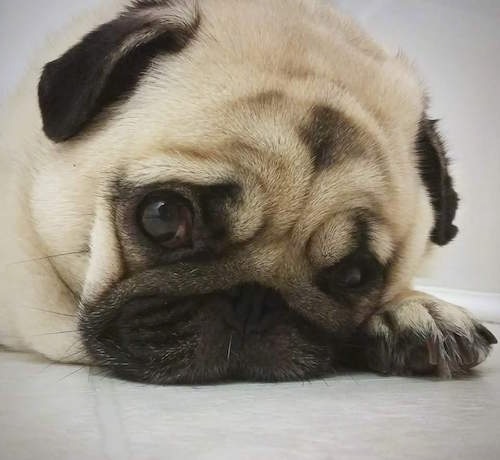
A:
(456, 45)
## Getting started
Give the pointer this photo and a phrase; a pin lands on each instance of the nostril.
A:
(253, 307)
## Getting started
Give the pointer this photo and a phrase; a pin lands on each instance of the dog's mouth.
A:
(245, 333)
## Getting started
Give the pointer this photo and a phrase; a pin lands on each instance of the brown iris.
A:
(167, 218)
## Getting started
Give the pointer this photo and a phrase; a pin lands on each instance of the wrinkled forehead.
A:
(298, 162)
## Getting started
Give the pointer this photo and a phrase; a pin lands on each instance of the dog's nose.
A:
(253, 307)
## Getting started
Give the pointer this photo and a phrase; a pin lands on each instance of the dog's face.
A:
(249, 180)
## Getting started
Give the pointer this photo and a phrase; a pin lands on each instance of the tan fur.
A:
(196, 117)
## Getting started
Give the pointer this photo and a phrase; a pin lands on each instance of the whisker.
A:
(66, 356)
(69, 355)
(71, 373)
(229, 347)
(55, 363)
(54, 333)
(95, 371)
(50, 311)
(54, 256)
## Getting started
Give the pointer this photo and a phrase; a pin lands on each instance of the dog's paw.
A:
(423, 335)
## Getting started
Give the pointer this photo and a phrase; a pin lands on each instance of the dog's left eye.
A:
(167, 218)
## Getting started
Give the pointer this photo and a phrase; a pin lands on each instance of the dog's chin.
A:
(193, 340)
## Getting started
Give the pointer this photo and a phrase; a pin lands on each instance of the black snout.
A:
(253, 307)
(153, 324)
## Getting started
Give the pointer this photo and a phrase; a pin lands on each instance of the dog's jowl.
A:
(199, 191)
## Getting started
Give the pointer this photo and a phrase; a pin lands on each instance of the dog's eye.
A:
(355, 273)
(351, 277)
(167, 218)
(345, 276)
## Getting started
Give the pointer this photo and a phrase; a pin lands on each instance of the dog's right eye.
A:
(358, 272)
(167, 218)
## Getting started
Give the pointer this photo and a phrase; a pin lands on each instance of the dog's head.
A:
(251, 179)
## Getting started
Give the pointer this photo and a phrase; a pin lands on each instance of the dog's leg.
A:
(420, 334)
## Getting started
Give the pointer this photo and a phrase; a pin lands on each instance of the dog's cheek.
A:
(61, 206)
(106, 265)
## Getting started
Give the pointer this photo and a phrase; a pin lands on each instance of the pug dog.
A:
(201, 191)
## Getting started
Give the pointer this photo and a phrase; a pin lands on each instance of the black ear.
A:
(433, 168)
(108, 62)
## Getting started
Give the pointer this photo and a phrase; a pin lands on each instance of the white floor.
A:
(53, 412)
